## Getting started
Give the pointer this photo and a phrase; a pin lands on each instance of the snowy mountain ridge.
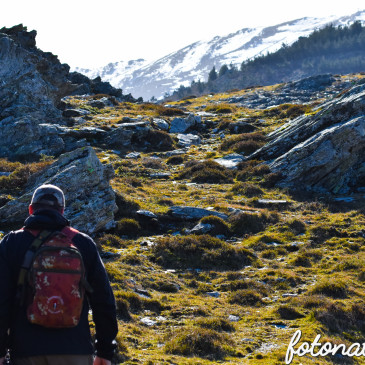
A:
(193, 62)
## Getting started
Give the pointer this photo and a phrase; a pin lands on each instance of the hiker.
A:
(36, 324)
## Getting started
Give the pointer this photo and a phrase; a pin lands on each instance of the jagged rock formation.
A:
(90, 200)
(32, 85)
(323, 152)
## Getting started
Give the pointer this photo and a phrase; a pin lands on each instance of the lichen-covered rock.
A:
(329, 161)
(33, 83)
(122, 136)
(338, 110)
(90, 200)
(26, 137)
(187, 140)
(181, 125)
(323, 152)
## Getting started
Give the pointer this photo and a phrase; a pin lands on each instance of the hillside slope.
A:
(210, 259)
(193, 62)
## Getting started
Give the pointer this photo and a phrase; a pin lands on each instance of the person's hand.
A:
(2, 359)
(97, 361)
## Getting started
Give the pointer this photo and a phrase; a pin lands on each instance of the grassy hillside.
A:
(237, 294)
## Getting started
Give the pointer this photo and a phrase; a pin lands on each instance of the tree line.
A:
(335, 50)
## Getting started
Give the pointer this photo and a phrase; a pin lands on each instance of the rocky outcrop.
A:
(187, 140)
(330, 161)
(124, 134)
(181, 125)
(27, 137)
(297, 92)
(90, 200)
(323, 152)
(33, 83)
(338, 110)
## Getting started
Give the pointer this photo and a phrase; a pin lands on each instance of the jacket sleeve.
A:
(7, 293)
(102, 303)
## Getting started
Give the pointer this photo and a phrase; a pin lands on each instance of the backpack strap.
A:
(27, 262)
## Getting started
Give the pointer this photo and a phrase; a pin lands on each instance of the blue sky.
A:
(89, 33)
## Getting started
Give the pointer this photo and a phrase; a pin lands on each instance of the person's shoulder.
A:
(80, 237)
(12, 235)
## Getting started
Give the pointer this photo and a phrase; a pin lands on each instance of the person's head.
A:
(48, 197)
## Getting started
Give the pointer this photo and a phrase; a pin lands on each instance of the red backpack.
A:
(52, 279)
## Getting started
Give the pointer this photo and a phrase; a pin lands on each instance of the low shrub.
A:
(121, 353)
(216, 324)
(207, 171)
(110, 240)
(271, 179)
(137, 303)
(319, 234)
(336, 289)
(314, 301)
(131, 259)
(220, 226)
(352, 263)
(287, 111)
(220, 108)
(126, 207)
(260, 171)
(165, 202)
(248, 164)
(245, 222)
(122, 306)
(296, 226)
(175, 160)
(152, 163)
(201, 342)
(269, 254)
(159, 140)
(165, 286)
(338, 319)
(362, 275)
(8, 166)
(128, 227)
(244, 143)
(301, 260)
(152, 305)
(245, 297)
(203, 252)
(18, 178)
(288, 312)
(247, 189)
(132, 181)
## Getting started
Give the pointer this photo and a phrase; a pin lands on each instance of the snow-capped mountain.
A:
(148, 79)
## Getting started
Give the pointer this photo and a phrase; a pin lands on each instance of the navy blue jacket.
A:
(27, 339)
